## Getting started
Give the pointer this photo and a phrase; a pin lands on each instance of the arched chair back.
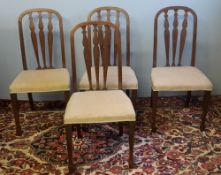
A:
(96, 51)
(177, 24)
(42, 37)
(114, 15)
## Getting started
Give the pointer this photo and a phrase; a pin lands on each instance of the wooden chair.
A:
(45, 78)
(121, 18)
(98, 105)
(174, 77)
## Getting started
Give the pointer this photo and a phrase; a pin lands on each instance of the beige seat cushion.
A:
(185, 78)
(46, 80)
(99, 107)
(129, 79)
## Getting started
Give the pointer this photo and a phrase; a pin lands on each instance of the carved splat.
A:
(50, 38)
(117, 14)
(42, 38)
(87, 57)
(34, 39)
(101, 42)
(183, 37)
(96, 55)
(175, 34)
(167, 37)
(106, 54)
(178, 34)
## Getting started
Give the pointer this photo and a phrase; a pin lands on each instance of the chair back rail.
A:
(97, 51)
(39, 12)
(117, 13)
(173, 34)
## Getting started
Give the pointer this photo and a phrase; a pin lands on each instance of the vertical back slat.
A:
(50, 39)
(117, 22)
(42, 38)
(109, 35)
(106, 55)
(100, 35)
(101, 42)
(118, 43)
(167, 37)
(96, 56)
(183, 37)
(87, 57)
(34, 39)
(108, 15)
(175, 34)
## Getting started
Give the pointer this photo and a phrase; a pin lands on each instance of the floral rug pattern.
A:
(178, 146)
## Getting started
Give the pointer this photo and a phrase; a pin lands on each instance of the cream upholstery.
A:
(46, 80)
(129, 79)
(99, 107)
(185, 78)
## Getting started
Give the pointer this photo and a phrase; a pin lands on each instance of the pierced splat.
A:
(178, 34)
(101, 71)
(175, 35)
(118, 13)
(34, 39)
(167, 38)
(183, 37)
(43, 39)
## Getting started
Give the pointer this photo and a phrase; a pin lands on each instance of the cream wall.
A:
(141, 14)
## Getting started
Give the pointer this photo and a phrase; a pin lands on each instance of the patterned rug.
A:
(178, 146)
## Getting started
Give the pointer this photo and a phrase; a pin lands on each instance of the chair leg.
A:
(151, 99)
(134, 97)
(71, 166)
(154, 110)
(121, 129)
(205, 107)
(79, 134)
(66, 96)
(30, 98)
(131, 143)
(15, 109)
(188, 97)
(128, 92)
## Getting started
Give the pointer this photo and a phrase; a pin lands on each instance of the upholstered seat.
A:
(46, 80)
(129, 79)
(100, 107)
(186, 78)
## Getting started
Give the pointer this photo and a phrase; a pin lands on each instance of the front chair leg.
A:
(134, 97)
(30, 98)
(71, 166)
(205, 109)
(15, 109)
(154, 110)
(131, 143)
